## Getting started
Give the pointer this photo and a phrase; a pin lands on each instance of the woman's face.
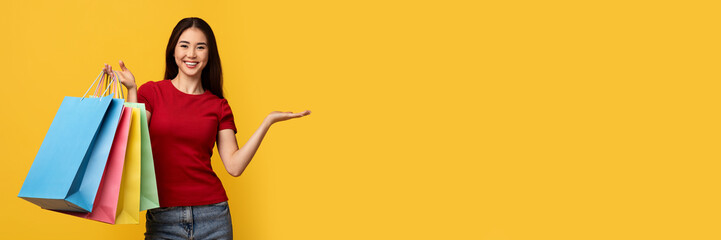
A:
(191, 52)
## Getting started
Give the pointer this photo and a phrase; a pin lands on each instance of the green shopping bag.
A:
(148, 185)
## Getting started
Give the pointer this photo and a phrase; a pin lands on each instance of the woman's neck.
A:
(189, 85)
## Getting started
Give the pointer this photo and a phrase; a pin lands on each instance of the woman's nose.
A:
(191, 53)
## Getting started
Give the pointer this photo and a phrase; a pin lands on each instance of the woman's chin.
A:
(191, 72)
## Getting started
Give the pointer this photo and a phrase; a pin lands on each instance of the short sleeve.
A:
(146, 95)
(226, 117)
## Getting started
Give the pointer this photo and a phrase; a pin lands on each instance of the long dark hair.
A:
(212, 76)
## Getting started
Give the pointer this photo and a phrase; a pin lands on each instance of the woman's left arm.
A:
(236, 160)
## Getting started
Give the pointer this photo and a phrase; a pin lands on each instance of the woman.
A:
(187, 114)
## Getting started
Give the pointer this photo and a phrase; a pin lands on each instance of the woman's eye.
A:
(201, 47)
(184, 46)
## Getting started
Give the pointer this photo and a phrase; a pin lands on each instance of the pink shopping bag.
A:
(106, 201)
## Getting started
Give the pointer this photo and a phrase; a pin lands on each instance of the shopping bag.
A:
(148, 185)
(67, 170)
(129, 195)
(106, 201)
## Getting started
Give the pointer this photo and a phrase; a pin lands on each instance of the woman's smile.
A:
(190, 64)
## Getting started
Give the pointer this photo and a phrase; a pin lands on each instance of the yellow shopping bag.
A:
(129, 198)
(148, 185)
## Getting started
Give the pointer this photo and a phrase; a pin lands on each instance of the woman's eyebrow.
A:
(200, 43)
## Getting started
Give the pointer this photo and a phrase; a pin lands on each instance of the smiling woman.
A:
(192, 43)
(189, 116)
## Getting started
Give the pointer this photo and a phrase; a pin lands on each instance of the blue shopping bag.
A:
(67, 170)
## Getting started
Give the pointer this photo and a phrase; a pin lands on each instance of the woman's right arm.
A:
(128, 80)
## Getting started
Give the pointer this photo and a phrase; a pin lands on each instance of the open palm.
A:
(277, 116)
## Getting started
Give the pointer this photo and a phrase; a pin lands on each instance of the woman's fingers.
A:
(300, 114)
(122, 66)
(107, 69)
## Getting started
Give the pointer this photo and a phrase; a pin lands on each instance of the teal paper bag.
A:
(148, 185)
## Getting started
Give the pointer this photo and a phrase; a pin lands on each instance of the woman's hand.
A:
(125, 76)
(277, 116)
(127, 79)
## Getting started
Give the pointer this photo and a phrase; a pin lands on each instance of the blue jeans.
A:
(194, 222)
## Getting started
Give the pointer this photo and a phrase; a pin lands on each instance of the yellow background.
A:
(431, 119)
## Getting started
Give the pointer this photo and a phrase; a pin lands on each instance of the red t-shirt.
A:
(183, 129)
